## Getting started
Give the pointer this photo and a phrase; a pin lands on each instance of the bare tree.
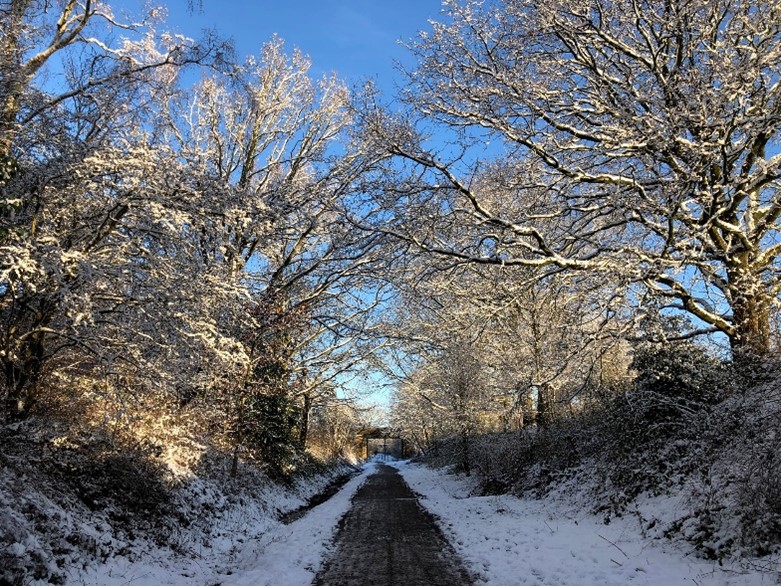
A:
(541, 344)
(90, 224)
(77, 36)
(637, 142)
(449, 397)
(267, 136)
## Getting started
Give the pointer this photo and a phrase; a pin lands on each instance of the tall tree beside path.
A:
(639, 141)
(88, 218)
(182, 245)
(268, 137)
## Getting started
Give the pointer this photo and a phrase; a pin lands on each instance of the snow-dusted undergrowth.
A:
(718, 461)
(74, 511)
(511, 541)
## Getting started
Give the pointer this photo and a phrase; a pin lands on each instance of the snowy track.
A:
(291, 555)
(388, 539)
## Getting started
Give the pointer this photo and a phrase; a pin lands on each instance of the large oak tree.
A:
(638, 140)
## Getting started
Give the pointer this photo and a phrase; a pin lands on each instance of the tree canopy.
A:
(638, 142)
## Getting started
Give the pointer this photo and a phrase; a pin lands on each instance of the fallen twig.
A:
(614, 545)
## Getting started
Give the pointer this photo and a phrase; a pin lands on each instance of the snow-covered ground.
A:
(509, 541)
(256, 550)
(290, 555)
(504, 540)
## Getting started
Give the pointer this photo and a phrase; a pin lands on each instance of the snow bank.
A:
(70, 515)
(258, 552)
(508, 541)
(248, 537)
(290, 555)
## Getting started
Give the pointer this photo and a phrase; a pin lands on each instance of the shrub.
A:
(272, 433)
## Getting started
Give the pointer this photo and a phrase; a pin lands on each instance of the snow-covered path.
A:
(505, 541)
(291, 555)
(388, 539)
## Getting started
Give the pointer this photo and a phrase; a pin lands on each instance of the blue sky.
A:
(358, 39)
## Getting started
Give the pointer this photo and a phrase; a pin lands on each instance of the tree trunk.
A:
(544, 404)
(11, 87)
(750, 343)
(466, 462)
(750, 340)
(303, 430)
(238, 438)
(235, 461)
(22, 378)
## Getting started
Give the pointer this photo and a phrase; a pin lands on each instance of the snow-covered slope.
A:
(72, 512)
(509, 541)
